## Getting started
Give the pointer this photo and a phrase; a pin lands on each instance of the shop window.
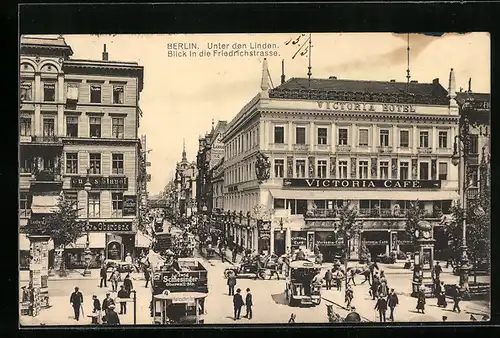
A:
(343, 136)
(94, 206)
(404, 138)
(48, 127)
(117, 164)
(95, 93)
(385, 208)
(49, 91)
(71, 163)
(320, 204)
(72, 126)
(118, 94)
(322, 136)
(300, 135)
(364, 207)
(25, 126)
(443, 171)
(117, 202)
(279, 134)
(363, 137)
(95, 164)
(26, 91)
(424, 170)
(279, 203)
(118, 128)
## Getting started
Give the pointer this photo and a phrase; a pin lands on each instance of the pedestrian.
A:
(249, 304)
(374, 286)
(437, 270)
(292, 319)
(111, 317)
(382, 288)
(441, 296)
(237, 304)
(106, 302)
(147, 274)
(231, 282)
(421, 301)
(127, 283)
(372, 266)
(392, 302)
(456, 298)
(128, 259)
(76, 299)
(122, 294)
(328, 279)
(366, 274)
(349, 295)
(104, 275)
(352, 274)
(381, 306)
(96, 311)
(338, 280)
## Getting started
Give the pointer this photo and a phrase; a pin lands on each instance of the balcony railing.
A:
(46, 175)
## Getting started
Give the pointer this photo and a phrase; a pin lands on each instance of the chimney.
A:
(393, 80)
(282, 71)
(264, 84)
(470, 85)
(451, 85)
(104, 54)
(332, 78)
(435, 81)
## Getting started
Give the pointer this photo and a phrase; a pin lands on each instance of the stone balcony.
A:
(301, 147)
(343, 148)
(384, 149)
(424, 150)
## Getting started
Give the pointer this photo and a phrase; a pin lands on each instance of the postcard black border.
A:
(115, 18)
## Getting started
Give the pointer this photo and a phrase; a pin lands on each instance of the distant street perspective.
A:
(313, 199)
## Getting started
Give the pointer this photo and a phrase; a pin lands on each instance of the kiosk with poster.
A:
(114, 251)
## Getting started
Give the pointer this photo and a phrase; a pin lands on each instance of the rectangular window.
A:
(26, 163)
(300, 168)
(424, 170)
(300, 135)
(443, 139)
(95, 126)
(71, 163)
(474, 144)
(117, 201)
(279, 135)
(322, 168)
(72, 197)
(384, 170)
(279, 203)
(404, 138)
(26, 91)
(72, 92)
(384, 138)
(72, 126)
(322, 136)
(443, 171)
(403, 170)
(23, 205)
(279, 168)
(117, 94)
(94, 204)
(343, 136)
(49, 91)
(342, 169)
(25, 126)
(363, 169)
(95, 164)
(118, 127)
(473, 175)
(48, 127)
(95, 93)
(424, 139)
(363, 137)
(117, 164)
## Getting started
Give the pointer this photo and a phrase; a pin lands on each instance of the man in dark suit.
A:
(237, 304)
(249, 303)
(123, 305)
(381, 306)
(104, 276)
(76, 299)
(111, 317)
(392, 301)
(328, 279)
(231, 283)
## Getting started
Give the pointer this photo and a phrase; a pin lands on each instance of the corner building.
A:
(80, 116)
(380, 145)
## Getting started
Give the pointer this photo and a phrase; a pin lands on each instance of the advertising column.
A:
(39, 271)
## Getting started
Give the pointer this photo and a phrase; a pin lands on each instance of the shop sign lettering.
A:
(367, 184)
(129, 205)
(379, 242)
(109, 226)
(100, 182)
(367, 107)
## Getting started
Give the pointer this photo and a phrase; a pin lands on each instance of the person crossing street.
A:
(104, 275)
(392, 302)
(237, 304)
(76, 300)
(249, 304)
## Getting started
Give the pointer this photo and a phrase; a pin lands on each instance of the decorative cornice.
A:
(100, 141)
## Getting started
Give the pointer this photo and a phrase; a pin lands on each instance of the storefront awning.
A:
(44, 204)
(372, 194)
(97, 240)
(142, 240)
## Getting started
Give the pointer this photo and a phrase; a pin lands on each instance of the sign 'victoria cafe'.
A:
(350, 183)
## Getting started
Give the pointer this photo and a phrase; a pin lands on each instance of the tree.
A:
(414, 214)
(62, 226)
(364, 253)
(346, 226)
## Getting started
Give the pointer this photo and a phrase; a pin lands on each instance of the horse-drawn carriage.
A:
(266, 268)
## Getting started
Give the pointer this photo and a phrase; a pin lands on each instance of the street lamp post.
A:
(87, 187)
(460, 157)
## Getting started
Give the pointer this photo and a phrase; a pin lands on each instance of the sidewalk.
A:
(24, 276)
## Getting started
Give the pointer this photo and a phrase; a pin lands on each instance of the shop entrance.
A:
(279, 242)
(376, 250)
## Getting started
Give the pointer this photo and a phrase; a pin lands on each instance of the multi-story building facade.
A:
(185, 186)
(379, 145)
(218, 185)
(79, 121)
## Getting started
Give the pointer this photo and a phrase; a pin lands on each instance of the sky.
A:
(182, 95)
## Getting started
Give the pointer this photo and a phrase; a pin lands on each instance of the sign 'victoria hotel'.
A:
(380, 145)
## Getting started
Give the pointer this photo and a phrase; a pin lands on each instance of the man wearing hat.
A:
(111, 317)
(123, 294)
(107, 302)
(249, 303)
(76, 299)
(237, 303)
